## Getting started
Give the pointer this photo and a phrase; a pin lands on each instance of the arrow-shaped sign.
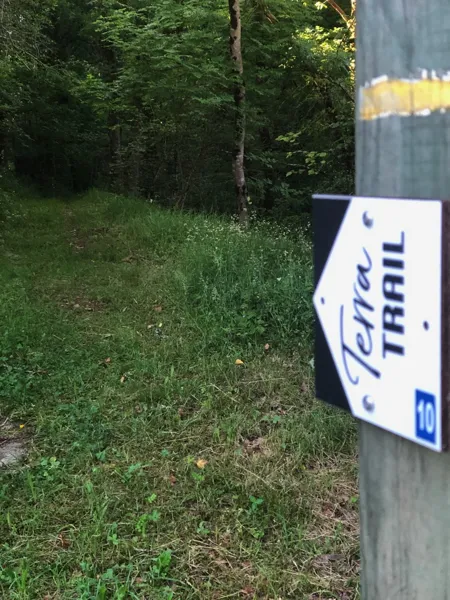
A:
(379, 304)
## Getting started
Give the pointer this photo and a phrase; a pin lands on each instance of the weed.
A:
(202, 529)
(142, 522)
(161, 564)
(255, 503)
(113, 537)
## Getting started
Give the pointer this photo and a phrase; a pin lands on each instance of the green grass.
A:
(121, 326)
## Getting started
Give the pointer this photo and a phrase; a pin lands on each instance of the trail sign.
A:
(379, 303)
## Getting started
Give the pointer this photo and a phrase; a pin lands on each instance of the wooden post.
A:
(405, 488)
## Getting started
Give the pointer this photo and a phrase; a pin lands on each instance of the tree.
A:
(239, 100)
(23, 48)
(134, 95)
(348, 15)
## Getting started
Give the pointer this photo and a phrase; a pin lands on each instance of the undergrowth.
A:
(157, 366)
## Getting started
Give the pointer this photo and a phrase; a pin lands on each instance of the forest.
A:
(142, 97)
(160, 438)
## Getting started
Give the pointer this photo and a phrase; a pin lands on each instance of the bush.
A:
(252, 285)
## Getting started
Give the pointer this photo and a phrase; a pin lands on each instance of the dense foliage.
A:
(137, 96)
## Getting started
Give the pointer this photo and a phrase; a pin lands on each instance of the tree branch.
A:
(338, 84)
(340, 11)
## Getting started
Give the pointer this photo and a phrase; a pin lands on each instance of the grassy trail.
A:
(157, 467)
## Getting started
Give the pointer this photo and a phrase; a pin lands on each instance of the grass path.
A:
(157, 468)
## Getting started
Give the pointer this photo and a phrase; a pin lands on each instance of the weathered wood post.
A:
(403, 150)
(382, 298)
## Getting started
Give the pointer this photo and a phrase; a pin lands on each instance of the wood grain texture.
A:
(405, 488)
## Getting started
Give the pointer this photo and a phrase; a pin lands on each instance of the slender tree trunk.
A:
(116, 172)
(350, 19)
(3, 141)
(239, 100)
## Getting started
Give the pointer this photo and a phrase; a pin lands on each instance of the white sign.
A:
(379, 304)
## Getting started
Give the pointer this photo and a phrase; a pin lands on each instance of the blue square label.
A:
(426, 416)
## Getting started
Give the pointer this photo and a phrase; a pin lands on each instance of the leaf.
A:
(267, 347)
(239, 362)
(123, 379)
(201, 463)
(107, 360)
(157, 309)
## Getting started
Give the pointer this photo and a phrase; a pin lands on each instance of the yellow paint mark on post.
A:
(404, 97)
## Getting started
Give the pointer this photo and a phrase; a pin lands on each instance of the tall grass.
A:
(242, 285)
